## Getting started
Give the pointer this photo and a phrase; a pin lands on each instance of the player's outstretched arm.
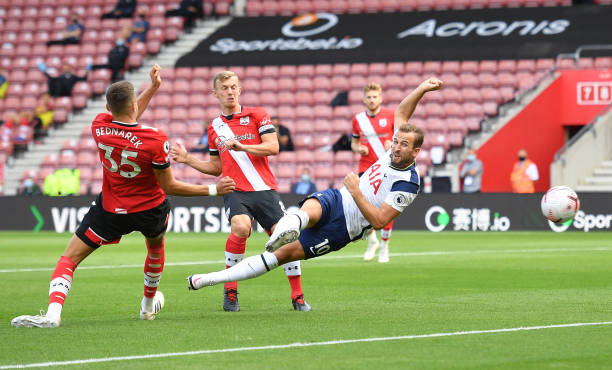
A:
(406, 107)
(211, 167)
(145, 97)
(377, 217)
(268, 145)
(172, 186)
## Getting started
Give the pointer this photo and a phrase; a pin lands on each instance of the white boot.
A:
(383, 255)
(372, 247)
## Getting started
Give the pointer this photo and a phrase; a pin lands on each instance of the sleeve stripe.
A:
(267, 131)
(405, 186)
(160, 166)
(266, 128)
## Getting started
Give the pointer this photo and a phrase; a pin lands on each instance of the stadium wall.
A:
(574, 98)
(434, 212)
(587, 152)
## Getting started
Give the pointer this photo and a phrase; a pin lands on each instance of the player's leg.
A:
(61, 282)
(385, 235)
(288, 228)
(268, 212)
(373, 245)
(234, 253)
(152, 224)
(250, 267)
(153, 300)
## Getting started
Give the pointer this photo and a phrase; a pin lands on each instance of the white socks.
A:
(292, 268)
(248, 268)
(303, 216)
(54, 311)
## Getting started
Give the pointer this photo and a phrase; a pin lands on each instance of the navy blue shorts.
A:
(330, 233)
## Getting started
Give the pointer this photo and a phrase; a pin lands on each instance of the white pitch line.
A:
(296, 345)
(350, 256)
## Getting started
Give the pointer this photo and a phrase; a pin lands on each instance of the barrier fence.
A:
(487, 212)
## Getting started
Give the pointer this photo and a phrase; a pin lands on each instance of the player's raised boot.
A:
(36, 321)
(383, 255)
(373, 245)
(287, 230)
(158, 304)
(300, 304)
(230, 300)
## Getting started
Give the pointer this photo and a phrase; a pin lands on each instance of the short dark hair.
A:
(120, 96)
(418, 133)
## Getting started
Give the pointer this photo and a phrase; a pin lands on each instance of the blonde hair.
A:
(222, 76)
(372, 86)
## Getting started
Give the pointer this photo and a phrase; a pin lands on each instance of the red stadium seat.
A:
(306, 70)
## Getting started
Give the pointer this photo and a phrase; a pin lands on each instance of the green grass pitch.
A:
(435, 283)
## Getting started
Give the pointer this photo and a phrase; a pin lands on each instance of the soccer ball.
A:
(560, 204)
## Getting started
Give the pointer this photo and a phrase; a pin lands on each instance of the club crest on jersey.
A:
(382, 122)
(244, 120)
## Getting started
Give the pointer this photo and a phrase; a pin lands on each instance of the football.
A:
(560, 204)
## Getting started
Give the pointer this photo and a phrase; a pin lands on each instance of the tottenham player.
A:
(240, 139)
(330, 219)
(136, 179)
(372, 135)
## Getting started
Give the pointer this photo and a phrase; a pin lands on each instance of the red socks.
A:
(234, 252)
(153, 268)
(296, 286)
(61, 280)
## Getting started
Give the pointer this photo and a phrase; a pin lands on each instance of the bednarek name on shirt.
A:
(117, 132)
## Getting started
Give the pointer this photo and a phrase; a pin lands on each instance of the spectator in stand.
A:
(123, 9)
(62, 84)
(471, 173)
(202, 145)
(305, 186)
(44, 115)
(284, 136)
(3, 85)
(524, 174)
(117, 57)
(139, 29)
(30, 188)
(190, 10)
(72, 33)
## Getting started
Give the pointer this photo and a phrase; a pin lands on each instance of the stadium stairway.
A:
(72, 129)
(489, 126)
(601, 181)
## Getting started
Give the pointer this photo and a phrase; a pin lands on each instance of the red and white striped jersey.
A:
(250, 172)
(373, 132)
(129, 152)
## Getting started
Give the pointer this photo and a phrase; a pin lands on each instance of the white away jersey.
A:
(381, 183)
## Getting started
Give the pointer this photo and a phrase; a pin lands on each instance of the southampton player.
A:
(372, 135)
(136, 179)
(240, 139)
(329, 220)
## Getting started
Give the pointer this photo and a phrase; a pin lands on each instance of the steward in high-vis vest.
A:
(524, 174)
